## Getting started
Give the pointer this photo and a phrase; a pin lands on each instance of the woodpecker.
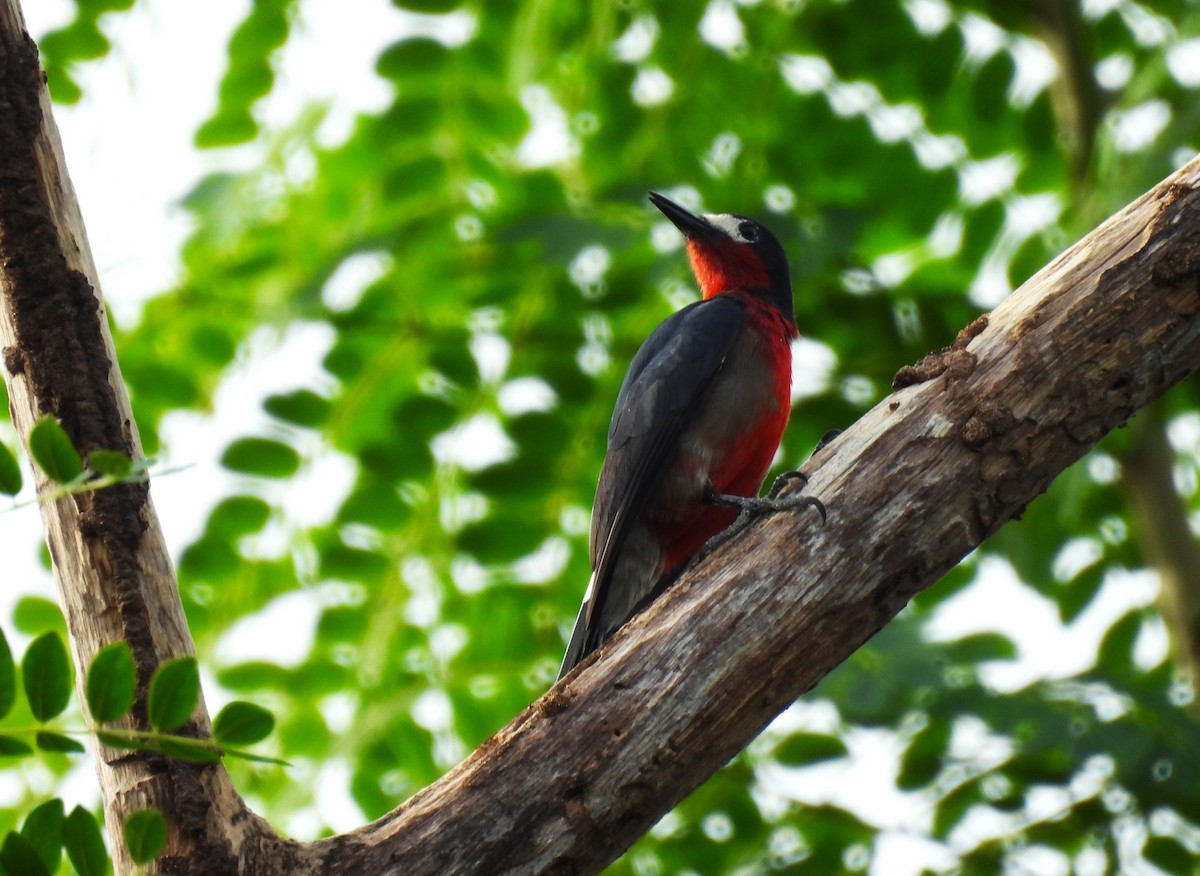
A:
(698, 419)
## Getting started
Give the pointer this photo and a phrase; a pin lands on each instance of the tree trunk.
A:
(114, 577)
(975, 432)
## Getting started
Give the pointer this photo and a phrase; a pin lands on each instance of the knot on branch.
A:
(954, 361)
(1177, 271)
(988, 421)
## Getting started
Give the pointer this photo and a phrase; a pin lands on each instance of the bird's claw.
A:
(825, 440)
(784, 479)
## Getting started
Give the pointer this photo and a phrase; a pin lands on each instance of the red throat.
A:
(726, 265)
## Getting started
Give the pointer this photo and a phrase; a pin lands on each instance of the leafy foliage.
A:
(481, 290)
(111, 686)
(249, 76)
(80, 40)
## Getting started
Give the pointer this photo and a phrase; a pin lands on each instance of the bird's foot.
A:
(750, 508)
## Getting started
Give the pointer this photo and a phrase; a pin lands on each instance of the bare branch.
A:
(918, 482)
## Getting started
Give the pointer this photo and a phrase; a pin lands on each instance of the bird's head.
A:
(728, 251)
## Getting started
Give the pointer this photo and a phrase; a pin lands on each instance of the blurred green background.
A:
(470, 267)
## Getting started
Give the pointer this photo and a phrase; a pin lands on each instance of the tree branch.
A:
(572, 781)
(919, 481)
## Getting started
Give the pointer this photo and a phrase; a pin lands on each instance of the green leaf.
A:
(10, 746)
(429, 7)
(923, 759)
(85, 844)
(8, 677)
(174, 692)
(950, 809)
(145, 835)
(35, 615)
(10, 472)
(415, 56)
(63, 88)
(227, 128)
(242, 723)
(1115, 654)
(254, 675)
(302, 407)
(261, 456)
(57, 742)
(808, 748)
(19, 856)
(1077, 594)
(110, 462)
(111, 682)
(53, 451)
(237, 516)
(981, 647)
(1166, 853)
(46, 672)
(43, 828)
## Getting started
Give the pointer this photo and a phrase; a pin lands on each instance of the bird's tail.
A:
(577, 647)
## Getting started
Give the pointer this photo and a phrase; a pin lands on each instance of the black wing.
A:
(667, 378)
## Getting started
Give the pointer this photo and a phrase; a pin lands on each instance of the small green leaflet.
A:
(241, 723)
(43, 828)
(17, 855)
(110, 462)
(85, 845)
(10, 746)
(10, 472)
(174, 692)
(145, 835)
(111, 681)
(53, 451)
(264, 457)
(8, 677)
(48, 741)
(46, 672)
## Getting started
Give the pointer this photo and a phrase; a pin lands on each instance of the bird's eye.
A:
(748, 231)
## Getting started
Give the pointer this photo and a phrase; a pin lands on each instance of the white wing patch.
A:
(587, 594)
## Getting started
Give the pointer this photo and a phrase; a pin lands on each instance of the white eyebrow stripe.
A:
(727, 223)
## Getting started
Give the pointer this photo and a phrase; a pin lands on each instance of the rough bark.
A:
(976, 432)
